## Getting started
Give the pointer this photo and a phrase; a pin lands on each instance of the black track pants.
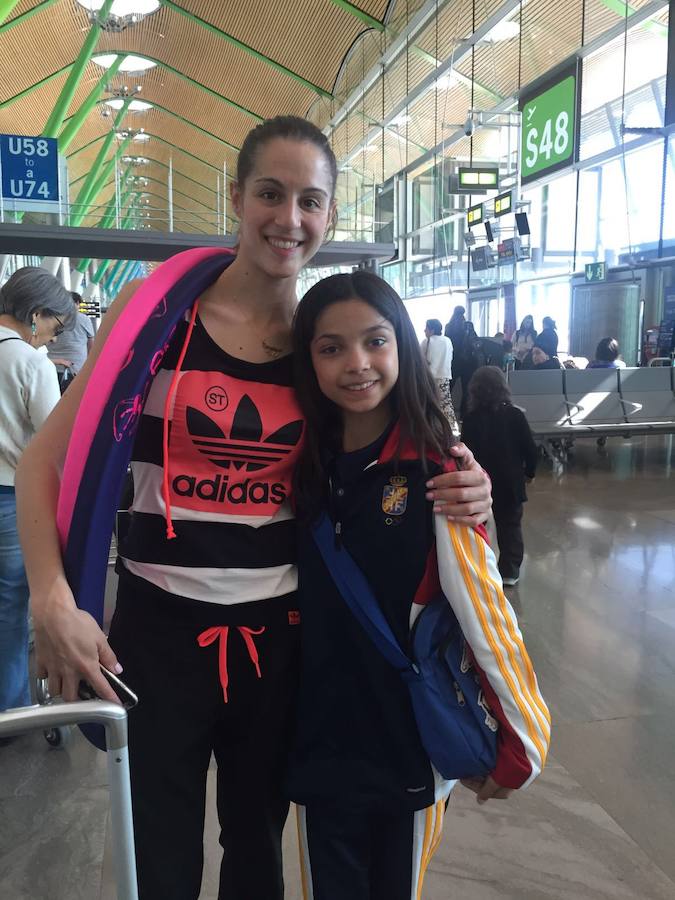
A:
(358, 856)
(508, 519)
(182, 718)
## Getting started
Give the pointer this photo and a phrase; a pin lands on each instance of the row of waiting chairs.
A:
(598, 402)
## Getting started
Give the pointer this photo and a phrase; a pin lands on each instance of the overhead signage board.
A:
(29, 168)
(503, 205)
(474, 215)
(483, 258)
(550, 123)
(478, 179)
(595, 272)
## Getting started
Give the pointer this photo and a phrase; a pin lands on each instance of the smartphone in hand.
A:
(123, 691)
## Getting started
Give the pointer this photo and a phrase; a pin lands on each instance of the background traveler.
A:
(607, 355)
(437, 351)
(549, 333)
(502, 442)
(70, 350)
(34, 309)
(523, 341)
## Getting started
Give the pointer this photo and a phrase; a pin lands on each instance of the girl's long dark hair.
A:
(488, 389)
(414, 398)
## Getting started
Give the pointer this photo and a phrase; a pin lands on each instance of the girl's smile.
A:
(355, 358)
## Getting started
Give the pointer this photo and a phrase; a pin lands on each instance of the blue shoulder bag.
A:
(456, 727)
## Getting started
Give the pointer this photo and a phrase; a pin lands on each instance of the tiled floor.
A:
(597, 605)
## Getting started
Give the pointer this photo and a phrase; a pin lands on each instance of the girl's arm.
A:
(69, 644)
(471, 582)
(464, 496)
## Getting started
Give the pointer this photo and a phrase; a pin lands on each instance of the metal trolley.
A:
(55, 716)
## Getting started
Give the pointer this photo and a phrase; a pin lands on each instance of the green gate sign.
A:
(550, 124)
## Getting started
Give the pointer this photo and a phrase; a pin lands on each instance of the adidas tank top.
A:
(234, 437)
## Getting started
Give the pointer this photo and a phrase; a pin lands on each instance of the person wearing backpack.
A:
(362, 767)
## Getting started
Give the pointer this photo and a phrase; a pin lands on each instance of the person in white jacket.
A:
(437, 351)
(34, 309)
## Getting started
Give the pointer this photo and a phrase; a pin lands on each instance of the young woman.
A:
(501, 439)
(371, 804)
(34, 309)
(206, 624)
(523, 341)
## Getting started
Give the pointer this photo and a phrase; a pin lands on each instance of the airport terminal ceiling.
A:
(383, 78)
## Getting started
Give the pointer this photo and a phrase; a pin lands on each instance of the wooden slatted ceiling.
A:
(214, 63)
(308, 36)
(160, 124)
(56, 32)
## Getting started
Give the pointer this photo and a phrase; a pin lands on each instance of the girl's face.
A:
(355, 357)
(284, 207)
(528, 322)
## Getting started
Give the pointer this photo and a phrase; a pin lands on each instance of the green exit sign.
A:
(550, 124)
(596, 272)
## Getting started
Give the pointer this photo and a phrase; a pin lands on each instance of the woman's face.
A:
(528, 323)
(47, 329)
(284, 207)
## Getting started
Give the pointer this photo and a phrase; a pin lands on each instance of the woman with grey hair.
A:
(34, 309)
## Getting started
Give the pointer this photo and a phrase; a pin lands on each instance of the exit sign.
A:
(596, 272)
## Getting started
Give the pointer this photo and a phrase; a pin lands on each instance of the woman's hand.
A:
(70, 646)
(486, 789)
(464, 496)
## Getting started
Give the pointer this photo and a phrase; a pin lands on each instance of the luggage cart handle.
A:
(114, 718)
(56, 715)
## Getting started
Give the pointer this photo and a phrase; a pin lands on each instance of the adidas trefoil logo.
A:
(245, 448)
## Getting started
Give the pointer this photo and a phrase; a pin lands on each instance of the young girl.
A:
(499, 435)
(371, 806)
(205, 625)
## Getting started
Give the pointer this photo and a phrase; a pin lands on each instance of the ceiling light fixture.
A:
(134, 106)
(130, 63)
(123, 13)
(503, 31)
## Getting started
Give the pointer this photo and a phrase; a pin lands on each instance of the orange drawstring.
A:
(206, 638)
(170, 533)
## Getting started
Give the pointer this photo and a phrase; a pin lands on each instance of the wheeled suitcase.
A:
(114, 719)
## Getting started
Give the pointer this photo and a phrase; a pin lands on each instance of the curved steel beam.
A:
(141, 153)
(55, 120)
(34, 87)
(76, 121)
(87, 191)
(185, 121)
(360, 14)
(6, 7)
(19, 20)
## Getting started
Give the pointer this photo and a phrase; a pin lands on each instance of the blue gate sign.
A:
(30, 170)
